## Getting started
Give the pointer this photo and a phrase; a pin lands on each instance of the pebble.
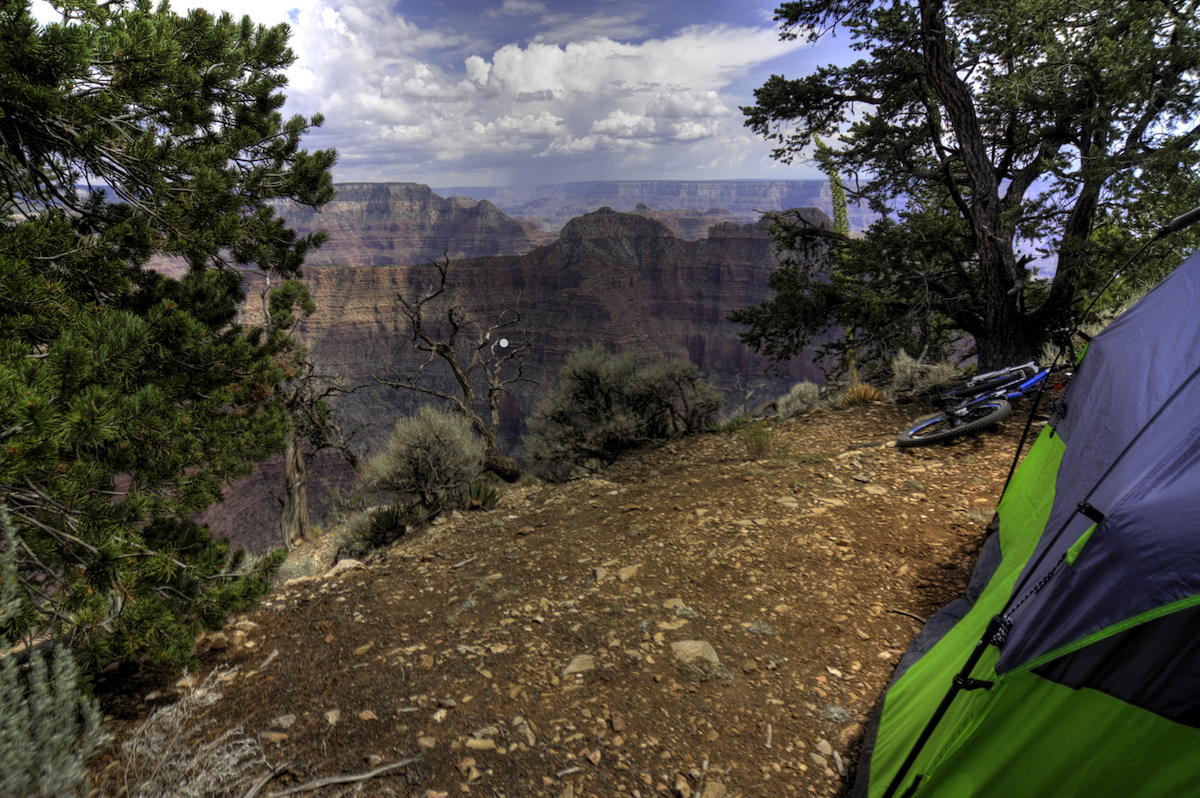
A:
(481, 744)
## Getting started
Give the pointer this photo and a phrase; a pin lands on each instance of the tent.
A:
(1072, 666)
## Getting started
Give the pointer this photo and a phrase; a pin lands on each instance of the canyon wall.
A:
(374, 224)
(624, 280)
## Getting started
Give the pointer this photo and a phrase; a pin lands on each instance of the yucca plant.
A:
(481, 495)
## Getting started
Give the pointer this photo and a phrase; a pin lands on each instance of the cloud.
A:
(517, 8)
(423, 96)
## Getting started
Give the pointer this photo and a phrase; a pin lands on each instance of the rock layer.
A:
(372, 224)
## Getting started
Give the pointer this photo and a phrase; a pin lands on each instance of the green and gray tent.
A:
(1072, 667)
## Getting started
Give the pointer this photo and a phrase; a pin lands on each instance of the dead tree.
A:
(472, 354)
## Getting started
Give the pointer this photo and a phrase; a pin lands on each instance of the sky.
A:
(526, 92)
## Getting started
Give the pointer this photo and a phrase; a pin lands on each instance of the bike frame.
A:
(1004, 391)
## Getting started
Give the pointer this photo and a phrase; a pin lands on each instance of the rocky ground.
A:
(689, 623)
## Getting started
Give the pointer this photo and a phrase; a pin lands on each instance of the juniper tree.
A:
(995, 129)
(127, 397)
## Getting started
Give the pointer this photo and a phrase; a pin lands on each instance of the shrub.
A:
(378, 528)
(48, 729)
(429, 460)
(912, 377)
(757, 437)
(606, 404)
(803, 396)
(861, 393)
(481, 495)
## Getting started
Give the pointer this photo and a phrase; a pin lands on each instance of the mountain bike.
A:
(984, 401)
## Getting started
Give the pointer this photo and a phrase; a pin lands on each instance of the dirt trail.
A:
(689, 623)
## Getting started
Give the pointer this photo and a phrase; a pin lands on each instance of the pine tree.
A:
(127, 398)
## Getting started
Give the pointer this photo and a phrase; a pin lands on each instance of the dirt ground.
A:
(689, 623)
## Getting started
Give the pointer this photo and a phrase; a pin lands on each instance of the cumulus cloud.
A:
(521, 81)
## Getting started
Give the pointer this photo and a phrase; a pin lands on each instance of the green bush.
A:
(606, 404)
(429, 460)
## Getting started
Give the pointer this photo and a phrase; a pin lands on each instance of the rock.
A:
(465, 764)
(714, 789)
(818, 760)
(692, 650)
(580, 664)
(333, 716)
(342, 567)
(427, 742)
(374, 760)
(682, 787)
(672, 603)
(617, 722)
(628, 572)
(824, 747)
(284, 721)
(521, 727)
(367, 714)
(481, 744)
(850, 735)
(218, 641)
(272, 737)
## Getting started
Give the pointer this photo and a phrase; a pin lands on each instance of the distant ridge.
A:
(554, 204)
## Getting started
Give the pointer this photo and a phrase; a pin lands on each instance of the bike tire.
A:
(943, 426)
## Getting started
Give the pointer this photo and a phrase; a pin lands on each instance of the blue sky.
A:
(519, 92)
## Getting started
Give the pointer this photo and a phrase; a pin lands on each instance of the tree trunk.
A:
(1002, 338)
(295, 521)
(504, 467)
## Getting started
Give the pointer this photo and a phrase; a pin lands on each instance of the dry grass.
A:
(175, 752)
(861, 393)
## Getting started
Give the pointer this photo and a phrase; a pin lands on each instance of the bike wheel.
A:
(943, 426)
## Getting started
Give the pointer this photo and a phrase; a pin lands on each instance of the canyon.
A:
(640, 280)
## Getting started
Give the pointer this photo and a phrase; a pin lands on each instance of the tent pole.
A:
(962, 681)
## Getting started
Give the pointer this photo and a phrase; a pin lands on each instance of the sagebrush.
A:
(911, 377)
(48, 728)
(606, 404)
(803, 396)
(429, 460)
